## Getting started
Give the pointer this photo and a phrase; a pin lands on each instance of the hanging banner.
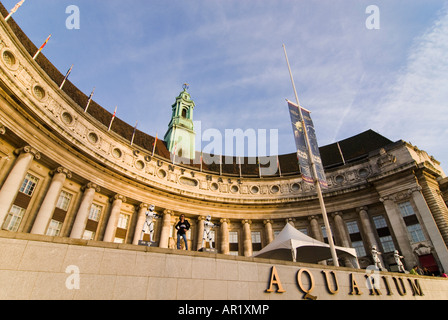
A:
(301, 145)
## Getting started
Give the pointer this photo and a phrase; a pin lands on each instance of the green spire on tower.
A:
(180, 137)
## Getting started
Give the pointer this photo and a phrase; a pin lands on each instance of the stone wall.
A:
(42, 267)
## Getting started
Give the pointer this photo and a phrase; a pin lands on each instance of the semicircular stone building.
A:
(63, 173)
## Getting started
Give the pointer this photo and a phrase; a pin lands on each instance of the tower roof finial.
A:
(186, 86)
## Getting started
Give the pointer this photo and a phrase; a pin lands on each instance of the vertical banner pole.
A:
(314, 171)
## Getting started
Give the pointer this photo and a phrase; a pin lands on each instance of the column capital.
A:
(201, 218)
(118, 197)
(30, 150)
(267, 221)
(167, 211)
(386, 198)
(143, 206)
(246, 221)
(224, 220)
(91, 185)
(2, 129)
(288, 220)
(313, 217)
(337, 214)
(62, 170)
(359, 209)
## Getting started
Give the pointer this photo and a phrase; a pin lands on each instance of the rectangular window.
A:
(356, 238)
(360, 249)
(379, 222)
(387, 243)
(406, 209)
(95, 212)
(29, 185)
(256, 241)
(14, 218)
(304, 231)
(233, 243)
(54, 229)
(384, 233)
(412, 224)
(416, 233)
(352, 227)
(123, 221)
(64, 201)
(233, 237)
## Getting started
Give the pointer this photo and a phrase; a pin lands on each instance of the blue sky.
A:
(139, 53)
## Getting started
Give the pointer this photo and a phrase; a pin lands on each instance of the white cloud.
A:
(416, 107)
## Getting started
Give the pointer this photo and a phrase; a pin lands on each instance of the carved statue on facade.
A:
(207, 235)
(148, 227)
(376, 258)
(398, 258)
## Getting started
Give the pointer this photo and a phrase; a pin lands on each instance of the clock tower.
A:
(180, 137)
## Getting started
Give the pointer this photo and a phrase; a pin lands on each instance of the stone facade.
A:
(42, 267)
(62, 173)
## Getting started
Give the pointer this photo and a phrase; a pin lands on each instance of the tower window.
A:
(184, 113)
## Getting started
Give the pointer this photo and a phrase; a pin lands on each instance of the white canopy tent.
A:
(291, 244)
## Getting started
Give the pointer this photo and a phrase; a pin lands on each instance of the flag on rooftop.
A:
(42, 47)
(133, 134)
(113, 118)
(154, 145)
(13, 10)
(66, 77)
(90, 100)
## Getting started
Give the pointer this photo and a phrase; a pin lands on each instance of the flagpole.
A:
(41, 47)
(90, 100)
(133, 135)
(201, 159)
(113, 118)
(239, 164)
(16, 7)
(66, 77)
(279, 168)
(154, 147)
(340, 152)
(313, 166)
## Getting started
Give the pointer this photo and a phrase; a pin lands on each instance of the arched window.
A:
(184, 113)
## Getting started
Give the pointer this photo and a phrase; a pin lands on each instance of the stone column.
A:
(51, 198)
(366, 227)
(15, 179)
(225, 247)
(343, 236)
(268, 231)
(141, 218)
(316, 232)
(247, 238)
(117, 201)
(165, 232)
(431, 226)
(399, 230)
(84, 210)
(200, 233)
